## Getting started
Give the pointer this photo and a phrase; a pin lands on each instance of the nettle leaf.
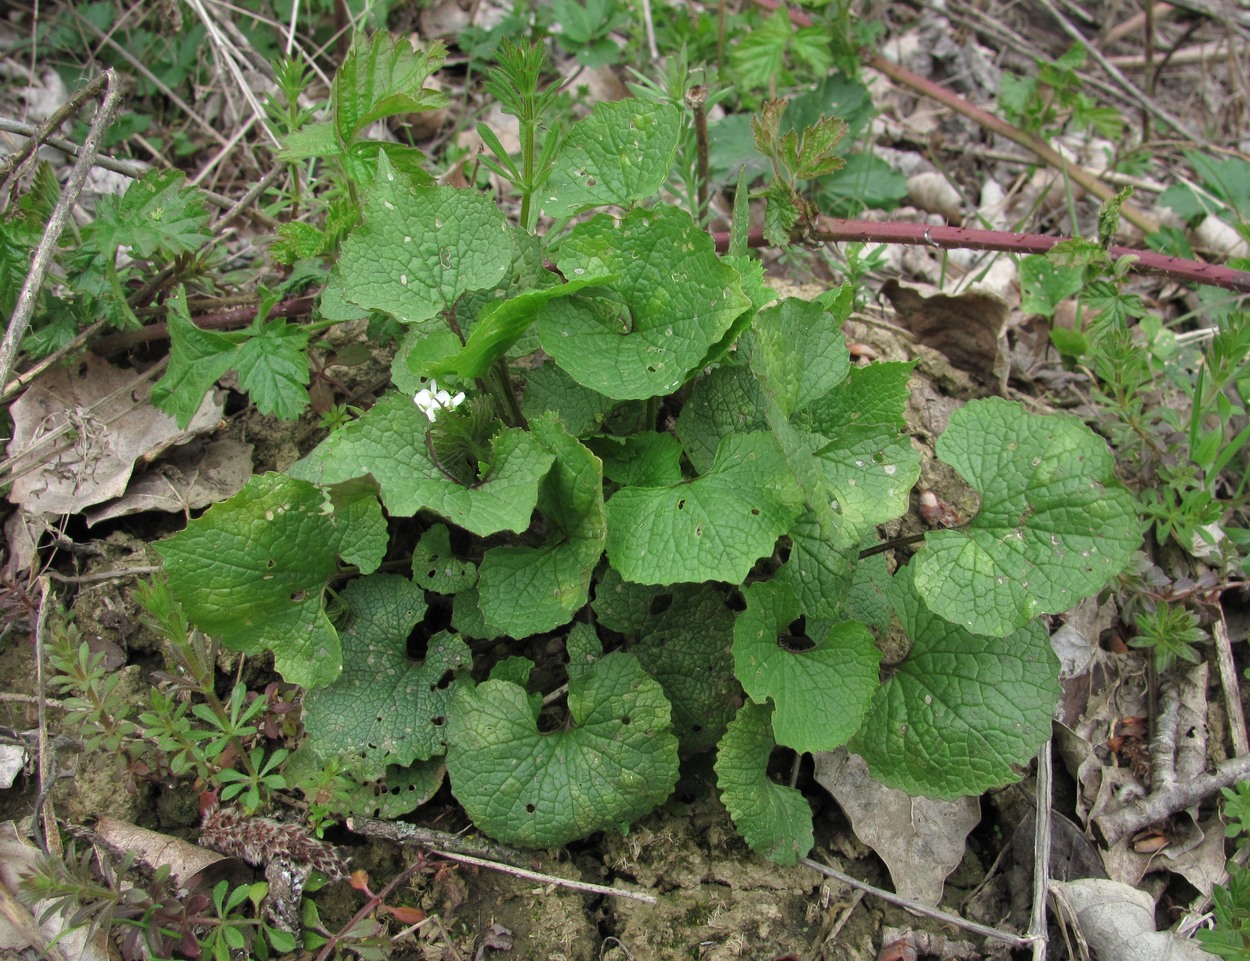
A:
(799, 353)
(775, 820)
(760, 56)
(155, 215)
(499, 326)
(419, 249)
(620, 154)
(646, 459)
(683, 637)
(382, 76)
(197, 360)
(309, 141)
(385, 709)
(436, 568)
(1054, 525)
(388, 442)
(253, 569)
(820, 685)
(527, 590)
(273, 369)
(869, 464)
(360, 161)
(713, 528)
(649, 330)
(727, 401)
(614, 765)
(961, 709)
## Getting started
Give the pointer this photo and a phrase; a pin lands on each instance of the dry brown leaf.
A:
(920, 840)
(193, 476)
(111, 424)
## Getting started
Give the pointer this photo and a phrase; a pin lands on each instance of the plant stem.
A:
(696, 100)
(835, 230)
(515, 416)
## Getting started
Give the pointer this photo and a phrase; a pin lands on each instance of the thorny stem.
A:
(823, 229)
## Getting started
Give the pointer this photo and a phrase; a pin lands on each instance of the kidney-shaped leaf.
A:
(420, 248)
(647, 331)
(621, 153)
(712, 528)
(774, 819)
(1054, 525)
(615, 764)
(253, 568)
(384, 709)
(820, 686)
(525, 590)
(962, 708)
(388, 442)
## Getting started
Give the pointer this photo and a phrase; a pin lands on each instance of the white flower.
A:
(430, 400)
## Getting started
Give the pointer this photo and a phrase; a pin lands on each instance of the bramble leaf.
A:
(419, 249)
(644, 334)
(775, 820)
(253, 569)
(388, 442)
(819, 692)
(273, 369)
(614, 765)
(620, 154)
(197, 359)
(1054, 525)
(385, 709)
(712, 528)
(526, 590)
(961, 709)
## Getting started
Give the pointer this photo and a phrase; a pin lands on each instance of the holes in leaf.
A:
(681, 504)
(626, 720)
(660, 604)
(755, 512)
(298, 596)
(271, 564)
(438, 721)
(795, 639)
(418, 642)
(444, 681)
(529, 809)
(650, 369)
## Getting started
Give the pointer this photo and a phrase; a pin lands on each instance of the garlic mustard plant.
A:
(430, 400)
